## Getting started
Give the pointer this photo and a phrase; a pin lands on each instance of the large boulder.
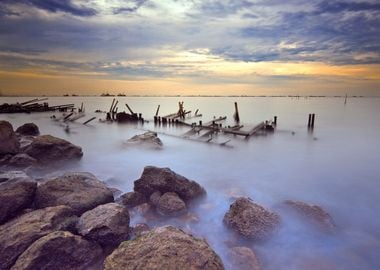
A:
(80, 191)
(313, 213)
(107, 224)
(48, 149)
(243, 258)
(250, 219)
(170, 204)
(22, 160)
(164, 248)
(148, 139)
(132, 199)
(165, 180)
(59, 250)
(29, 129)
(15, 195)
(9, 143)
(19, 233)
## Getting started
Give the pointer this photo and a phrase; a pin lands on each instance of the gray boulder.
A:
(80, 191)
(132, 199)
(170, 204)
(165, 180)
(164, 248)
(15, 195)
(59, 250)
(107, 224)
(243, 258)
(19, 233)
(148, 139)
(250, 219)
(9, 143)
(29, 129)
(49, 149)
(315, 214)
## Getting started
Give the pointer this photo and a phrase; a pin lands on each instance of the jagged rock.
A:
(22, 161)
(107, 224)
(314, 213)
(28, 129)
(59, 250)
(164, 248)
(139, 229)
(250, 219)
(9, 143)
(155, 197)
(132, 199)
(19, 233)
(13, 176)
(165, 180)
(170, 204)
(243, 258)
(148, 139)
(48, 149)
(80, 191)
(15, 195)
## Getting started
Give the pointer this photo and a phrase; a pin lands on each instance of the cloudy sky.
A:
(190, 47)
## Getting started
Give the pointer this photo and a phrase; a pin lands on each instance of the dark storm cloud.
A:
(132, 7)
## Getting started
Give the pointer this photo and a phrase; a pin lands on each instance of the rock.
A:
(314, 213)
(107, 224)
(155, 197)
(22, 161)
(15, 195)
(9, 143)
(165, 180)
(148, 139)
(19, 233)
(170, 204)
(132, 199)
(139, 229)
(13, 176)
(164, 248)
(80, 191)
(243, 258)
(48, 149)
(59, 250)
(30, 129)
(250, 219)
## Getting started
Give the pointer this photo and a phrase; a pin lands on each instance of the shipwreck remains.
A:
(34, 105)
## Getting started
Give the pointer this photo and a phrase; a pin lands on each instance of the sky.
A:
(195, 47)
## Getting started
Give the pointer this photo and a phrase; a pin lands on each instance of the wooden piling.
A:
(275, 120)
(236, 115)
(158, 109)
(113, 101)
(309, 121)
(312, 120)
(89, 120)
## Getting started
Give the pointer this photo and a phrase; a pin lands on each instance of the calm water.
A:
(337, 166)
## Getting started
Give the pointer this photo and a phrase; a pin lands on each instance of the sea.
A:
(336, 166)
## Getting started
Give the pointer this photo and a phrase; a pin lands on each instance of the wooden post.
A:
(155, 120)
(158, 109)
(312, 120)
(236, 116)
(89, 120)
(200, 122)
(309, 121)
(129, 108)
(113, 101)
(275, 120)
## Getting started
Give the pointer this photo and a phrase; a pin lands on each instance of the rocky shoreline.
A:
(75, 221)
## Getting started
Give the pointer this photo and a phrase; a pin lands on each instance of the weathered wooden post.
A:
(236, 115)
(312, 120)
(200, 122)
(309, 121)
(275, 120)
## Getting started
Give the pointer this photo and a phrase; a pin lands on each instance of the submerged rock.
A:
(80, 191)
(15, 195)
(59, 250)
(48, 149)
(9, 143)
(243, 258)
(314, 214)
(169, 204)
(132, 199)
(148, 139)
(28, 129)
(164, 248)
(13, 176)
(19, 233)
(165, 180)
(22, 161)
(250, 219)
(107, 224)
